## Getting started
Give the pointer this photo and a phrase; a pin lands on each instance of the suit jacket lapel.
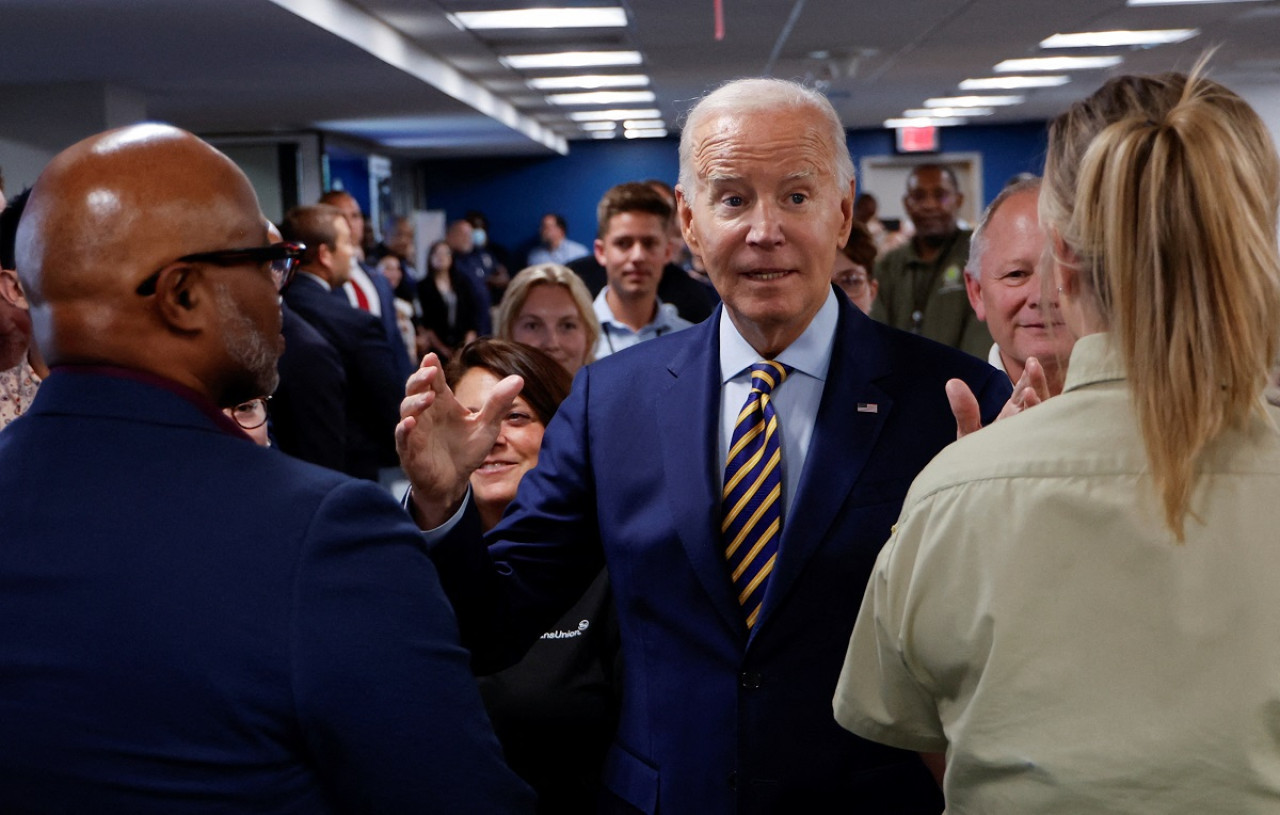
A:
(688, 416)
(843, 438)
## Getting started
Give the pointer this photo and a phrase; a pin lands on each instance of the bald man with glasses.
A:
(192, 622)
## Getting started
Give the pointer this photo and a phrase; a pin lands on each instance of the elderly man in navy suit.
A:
(193, 623)
(738, 478)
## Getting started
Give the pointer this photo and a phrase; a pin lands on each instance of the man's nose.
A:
(766, 224)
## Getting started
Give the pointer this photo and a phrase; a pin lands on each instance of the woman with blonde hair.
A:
(1078, 604)
(548, 306)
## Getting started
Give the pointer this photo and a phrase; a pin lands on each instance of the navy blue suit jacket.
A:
(402, 359)
(374, 387)
(716, 720)
(193, 623)
(309, 407)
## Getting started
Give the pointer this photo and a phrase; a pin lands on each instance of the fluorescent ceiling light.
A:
(1013, 83)
(644, 134)
(612, 17)
(602, 134)
(947, 113)
(644, 124)
(610, 126)
(973, 101)
(615, 115)
(1112, 39)
(570, 59)
(1182, 2)
(1013, 66)
(893, 124)
(602, 98)
(588, 82)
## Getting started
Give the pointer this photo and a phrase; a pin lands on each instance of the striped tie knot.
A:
(767, 375)
(752, 499)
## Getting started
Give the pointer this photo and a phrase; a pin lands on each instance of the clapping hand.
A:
(1031, 389)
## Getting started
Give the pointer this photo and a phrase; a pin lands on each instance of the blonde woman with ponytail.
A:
(1078, 606)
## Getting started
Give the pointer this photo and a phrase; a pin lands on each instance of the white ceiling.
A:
(397, 73)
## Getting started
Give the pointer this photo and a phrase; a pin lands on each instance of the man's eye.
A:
(732, 200)
(798, 198)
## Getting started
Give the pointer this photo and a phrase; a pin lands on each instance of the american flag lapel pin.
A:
(868, 407)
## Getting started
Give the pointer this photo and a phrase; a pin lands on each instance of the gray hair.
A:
(978, 243)
(744, 96)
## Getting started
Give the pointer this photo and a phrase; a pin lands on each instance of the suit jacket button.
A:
(749, 680)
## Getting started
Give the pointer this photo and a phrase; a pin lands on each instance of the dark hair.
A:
(632, 196)
(431, 250)
(313, 225)
(546, 382)
(559, 219)
(861, 248)
(942, 168)
(659, 185)
(9, 228)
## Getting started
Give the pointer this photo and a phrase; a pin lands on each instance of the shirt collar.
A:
(605, 314)
(317, 278)
(1093, 361)
(810, 354)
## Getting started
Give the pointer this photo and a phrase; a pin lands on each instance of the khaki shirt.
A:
(1033, 616)
(930, 298)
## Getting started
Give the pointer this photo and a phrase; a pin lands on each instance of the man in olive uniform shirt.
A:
(922, 282)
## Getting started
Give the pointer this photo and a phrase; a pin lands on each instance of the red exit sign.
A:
(917, 139)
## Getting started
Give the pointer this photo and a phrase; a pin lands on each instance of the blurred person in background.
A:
(549, 307)
(22, 369)
(483, 239)
(555, 244)
(450, 313)
(853, 271)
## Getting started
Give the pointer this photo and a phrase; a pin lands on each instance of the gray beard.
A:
(248, 347)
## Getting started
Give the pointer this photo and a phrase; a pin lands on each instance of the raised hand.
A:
(1031, 389)
(440, 442)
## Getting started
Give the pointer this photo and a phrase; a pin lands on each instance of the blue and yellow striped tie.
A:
(752, 502)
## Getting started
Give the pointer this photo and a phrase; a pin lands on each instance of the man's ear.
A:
(598, 247)
(846, 213)
(685, 213)
(11, 289)
(181, 297)
(324, 256)
(973, 287)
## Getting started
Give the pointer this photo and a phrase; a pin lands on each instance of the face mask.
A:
(480, 237)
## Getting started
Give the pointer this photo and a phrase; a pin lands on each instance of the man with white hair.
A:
(1007, 292)
(738, 478)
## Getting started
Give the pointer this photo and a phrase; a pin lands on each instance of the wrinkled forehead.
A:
(793, 142)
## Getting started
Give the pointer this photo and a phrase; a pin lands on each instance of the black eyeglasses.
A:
(252, 414)
(283, 258)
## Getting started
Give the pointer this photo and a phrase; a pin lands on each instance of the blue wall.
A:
(514, 193)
